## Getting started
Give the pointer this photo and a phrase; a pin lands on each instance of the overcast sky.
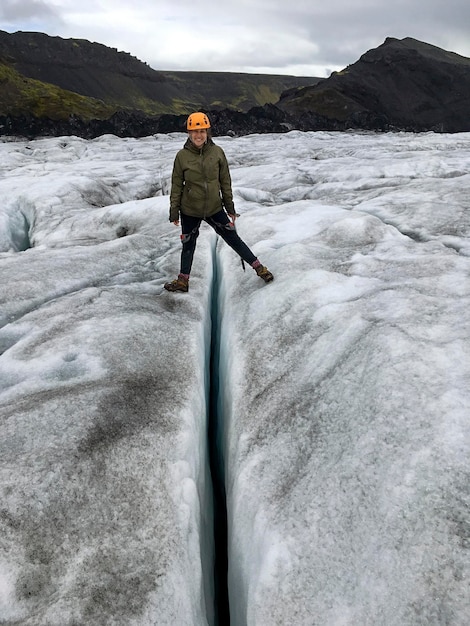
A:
(299, 37)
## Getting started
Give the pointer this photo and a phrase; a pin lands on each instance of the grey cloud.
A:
(255, 33)
(344, 31)
(23, 10)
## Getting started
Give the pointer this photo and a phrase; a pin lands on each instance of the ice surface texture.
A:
(344, 384)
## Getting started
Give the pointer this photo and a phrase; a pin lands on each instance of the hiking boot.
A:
(179, 284)
(264, 273)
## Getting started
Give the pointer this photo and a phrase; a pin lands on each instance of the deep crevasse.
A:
(217, 389)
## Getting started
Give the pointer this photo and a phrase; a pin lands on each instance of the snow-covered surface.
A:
(345, 384)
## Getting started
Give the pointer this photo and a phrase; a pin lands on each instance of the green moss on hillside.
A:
(328, 102)
(20, 96)
(183, 107)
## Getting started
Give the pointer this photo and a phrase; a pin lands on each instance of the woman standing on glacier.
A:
(201, 189)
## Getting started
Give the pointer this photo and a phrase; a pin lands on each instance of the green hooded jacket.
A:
(200, 183)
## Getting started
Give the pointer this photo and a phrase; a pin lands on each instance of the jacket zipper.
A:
(205, 182)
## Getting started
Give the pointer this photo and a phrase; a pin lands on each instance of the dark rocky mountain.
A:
(122, 82)
(404, 84)
(401, 85)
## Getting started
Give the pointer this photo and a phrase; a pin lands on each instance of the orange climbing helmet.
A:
(197, 120)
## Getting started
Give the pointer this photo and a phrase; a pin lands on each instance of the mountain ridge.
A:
(124, 82)
(403, 84)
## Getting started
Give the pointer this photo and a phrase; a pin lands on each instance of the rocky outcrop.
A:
(121, 124)
(404, 84)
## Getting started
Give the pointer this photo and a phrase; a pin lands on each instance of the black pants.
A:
(222, 226)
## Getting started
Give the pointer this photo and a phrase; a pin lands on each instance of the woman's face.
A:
(198, 137)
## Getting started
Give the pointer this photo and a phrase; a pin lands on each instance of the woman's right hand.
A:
(176, 222)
